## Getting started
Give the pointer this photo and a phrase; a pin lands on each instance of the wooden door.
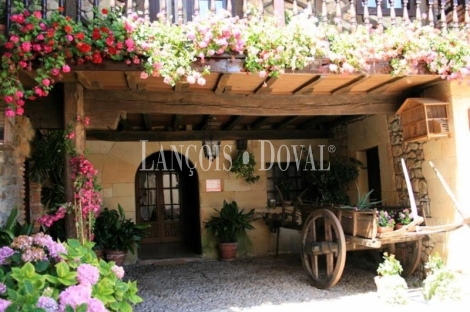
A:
(158, 204)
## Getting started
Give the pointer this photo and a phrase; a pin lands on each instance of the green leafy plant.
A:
(440, 282)
(114, 232)
(363, 201)
(43, 275)
(14, 228)
(244, 166)
(230, 222)
(390, 266)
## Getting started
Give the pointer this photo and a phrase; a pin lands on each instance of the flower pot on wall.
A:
(117, 256)
(228, 251)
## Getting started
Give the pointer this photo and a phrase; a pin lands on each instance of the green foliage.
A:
(14, 228)
(385, 219)
(114, 232)
(26, 282)
(330, 185)
(440, 282)
(363, 201)
(230, 222)
(391, 266)
(244, 166)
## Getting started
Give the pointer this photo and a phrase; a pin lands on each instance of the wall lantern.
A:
(425, 203)
(211, 149)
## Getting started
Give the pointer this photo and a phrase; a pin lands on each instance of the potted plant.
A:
(244, 166)
(226, 225)
(385, 221)
(363, 201)
(117, 235)
(403, 218)
(391, 287)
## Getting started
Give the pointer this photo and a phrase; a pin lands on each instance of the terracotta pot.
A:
(117, 256)
(228, 251)
(382, 229)
(99, 254)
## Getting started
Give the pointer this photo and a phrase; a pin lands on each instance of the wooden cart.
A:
(328, 233)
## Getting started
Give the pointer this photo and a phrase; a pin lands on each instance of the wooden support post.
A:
(414, 209)
(73, 107)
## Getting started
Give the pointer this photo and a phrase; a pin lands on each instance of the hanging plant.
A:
(244, 166)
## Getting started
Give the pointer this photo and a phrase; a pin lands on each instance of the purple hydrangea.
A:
(87, 274)
(5, 253)
(95, 305)
(3, 288)
(48, 304)
(4, 304)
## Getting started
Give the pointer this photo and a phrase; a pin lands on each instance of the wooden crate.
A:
(423, 119)
(357, 223)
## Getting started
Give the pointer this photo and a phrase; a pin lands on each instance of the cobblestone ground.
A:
(261, 284)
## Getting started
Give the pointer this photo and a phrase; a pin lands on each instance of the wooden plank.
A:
(222, 83)
(308, 86)
(134, 136)
(181, 87)
(190, 103)
(124, 122)
(233, 122)
(265, 87)
(259, 123)
(348, 86)
(384, 85)
(176, 122)
(83, 79)
(284, 123)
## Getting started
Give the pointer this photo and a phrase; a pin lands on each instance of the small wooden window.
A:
(385, 5)
(423, 118)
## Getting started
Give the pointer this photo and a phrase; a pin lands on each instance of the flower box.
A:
(357, 223)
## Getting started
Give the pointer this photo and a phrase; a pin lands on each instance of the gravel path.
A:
(257, 284)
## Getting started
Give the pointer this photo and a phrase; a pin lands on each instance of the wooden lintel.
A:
(285, 122)
(134, 136)
(193, 103)
(181, 87)
(348, 86)
(233, 122)
(141, 86)
(430, 83)
(147, 122)
(265, 86)
(222, 83)
(384, 85)
(176, 122)
(83, 79)
(96, 85)
(228, 90)
(308, 86)
(124, 122)
(259, 123)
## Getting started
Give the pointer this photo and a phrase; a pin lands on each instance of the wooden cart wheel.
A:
(408, 253)
(323, 251)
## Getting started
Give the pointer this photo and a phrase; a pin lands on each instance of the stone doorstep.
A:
(171, 261)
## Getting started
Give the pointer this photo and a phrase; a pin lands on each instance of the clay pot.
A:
(117, 256)
(382, 229)
(99, 254)
(228, 251)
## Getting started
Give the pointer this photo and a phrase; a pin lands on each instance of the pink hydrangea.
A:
(48, 304)
(74, 296)
(87, 274)
(118, 270)
(5, 253)
(4, 304)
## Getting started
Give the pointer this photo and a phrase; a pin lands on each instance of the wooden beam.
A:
(181, 87)
(131, 80)
(83, 79)
(285, 122)
(204, 123)
(124, 122)
(259, 123)
(233, 122)
(384, 85)
(134, 136)
(348, 86)
(147, 122)
(314, 122)
(176, 122)
(308, 86)
(430, 83)
(265, 87)
(73, 107)
(222, 83)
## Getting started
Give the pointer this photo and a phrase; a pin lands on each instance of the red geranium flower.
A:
(104, 11)
(68, 29)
